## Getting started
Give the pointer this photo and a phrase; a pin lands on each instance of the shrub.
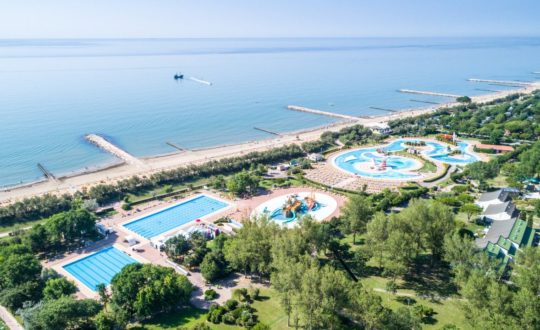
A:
(229, 318)
(210, 294)
(254, 293)
(230, 305)
(240, 294)
(215, 314)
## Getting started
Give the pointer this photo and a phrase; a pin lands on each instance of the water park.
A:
(288, 209)
(394, 164)
(403, 159)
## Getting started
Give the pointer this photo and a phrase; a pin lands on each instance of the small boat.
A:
(178, 76)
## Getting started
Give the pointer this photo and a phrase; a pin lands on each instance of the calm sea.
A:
(53, 92)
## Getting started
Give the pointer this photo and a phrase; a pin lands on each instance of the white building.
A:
(315, 157)
(380, 128)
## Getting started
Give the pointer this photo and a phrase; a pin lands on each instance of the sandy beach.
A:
(183, 158)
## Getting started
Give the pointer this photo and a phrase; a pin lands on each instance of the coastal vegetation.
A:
(400, 259)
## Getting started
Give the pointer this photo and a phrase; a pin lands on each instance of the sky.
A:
(266, 18)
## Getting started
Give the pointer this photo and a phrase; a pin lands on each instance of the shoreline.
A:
(111, 174)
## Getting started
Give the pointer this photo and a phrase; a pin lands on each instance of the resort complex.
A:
(377, 211)
(204, 165)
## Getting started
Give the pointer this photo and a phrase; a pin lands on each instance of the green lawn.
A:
(268, 310)
(20, 225)
(447, 310)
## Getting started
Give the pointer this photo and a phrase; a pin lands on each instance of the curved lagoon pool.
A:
(368, 162)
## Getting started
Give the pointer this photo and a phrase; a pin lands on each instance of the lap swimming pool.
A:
(174, 216)
(100, 267)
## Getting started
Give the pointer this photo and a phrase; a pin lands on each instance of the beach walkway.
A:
(323, 113)
(412, 91)
(116, 151)
(501, 82)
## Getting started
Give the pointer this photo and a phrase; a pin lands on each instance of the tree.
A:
(464, 99)
(19, 269)
(428, 222)
(356, 214)
(17, 296)
(176, 247)
(58, 287)
(63, 313)
(243, 183)
(470, 209)
(213, 266)
(376, 236)
(249, 250)
(145, 290)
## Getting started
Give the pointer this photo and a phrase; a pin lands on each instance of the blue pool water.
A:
(279, 216)
(167, 219)
(56, 91)
(441, 154)
(397, 166)
(100, 267)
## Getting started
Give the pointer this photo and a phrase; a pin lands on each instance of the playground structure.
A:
(295, 205)
(288, 209)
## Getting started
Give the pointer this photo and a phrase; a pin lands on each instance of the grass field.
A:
(268, 310)
(447, 311)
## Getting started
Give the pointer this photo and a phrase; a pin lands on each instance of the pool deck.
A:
(245, 207)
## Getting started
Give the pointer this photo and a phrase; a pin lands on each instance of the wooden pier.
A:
(46, 172)
(266, 131)
(423, 101)
(511, 83)
(383, 109)
(412, 91)
(322, 113)
(176, 146)
(102, 143)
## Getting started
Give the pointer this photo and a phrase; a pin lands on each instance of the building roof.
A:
(494, 147)
(506, 207)
(500, 194)
(496, 230)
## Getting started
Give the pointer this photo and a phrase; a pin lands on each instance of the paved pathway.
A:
(9, 319)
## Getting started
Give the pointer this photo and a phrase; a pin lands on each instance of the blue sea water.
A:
(53, 92)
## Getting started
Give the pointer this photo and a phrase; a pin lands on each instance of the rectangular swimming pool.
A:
(99, 267)
(177, 215)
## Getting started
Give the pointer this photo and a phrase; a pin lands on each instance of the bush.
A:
(230, 305)
(215, 314)
(240, 294)
(210, 294)
(254, 293)
(229, 318)
(126, 206)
